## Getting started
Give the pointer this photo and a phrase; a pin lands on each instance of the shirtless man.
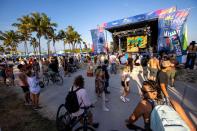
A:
(153, 67)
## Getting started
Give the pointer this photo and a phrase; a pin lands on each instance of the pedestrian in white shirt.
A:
(34, 89)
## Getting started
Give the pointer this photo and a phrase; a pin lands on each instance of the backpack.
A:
(72, 104)
(165, 118)
(144, 61)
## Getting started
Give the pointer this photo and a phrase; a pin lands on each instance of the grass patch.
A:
(17, 117)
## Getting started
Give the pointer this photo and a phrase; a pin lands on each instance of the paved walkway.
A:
(52, 96)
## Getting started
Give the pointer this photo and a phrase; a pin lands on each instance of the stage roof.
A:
(138, 19)
(131, 25)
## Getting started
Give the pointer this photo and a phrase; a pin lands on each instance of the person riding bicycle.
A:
(53, 68)
(83, 100)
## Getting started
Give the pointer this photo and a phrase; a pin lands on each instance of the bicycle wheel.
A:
(58, 80)
(46, 80)
(88, 128)
(63, 119)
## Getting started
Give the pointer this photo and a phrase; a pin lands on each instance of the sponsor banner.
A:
(136, 42)
(139, 18)
(98, 40)
(170, 31)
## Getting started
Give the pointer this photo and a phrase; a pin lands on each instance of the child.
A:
(99, 87)
(125, 79)
(34, 89)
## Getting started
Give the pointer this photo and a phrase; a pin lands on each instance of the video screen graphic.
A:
(136, 42)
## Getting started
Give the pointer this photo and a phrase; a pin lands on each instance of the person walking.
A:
(113, 60)
(105, 70)
(125, 79)
(154, 66)
(36, 67)
(191, 56)
(172, 71)
(99, 87)
(22, 81)
(130, 63)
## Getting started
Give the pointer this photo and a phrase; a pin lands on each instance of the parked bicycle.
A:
(55, 78)
(66, 122)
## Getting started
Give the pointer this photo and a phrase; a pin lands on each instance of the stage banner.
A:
(98, 40)
(138, 18)
(136, 42)
(185, 38)
(171, 26)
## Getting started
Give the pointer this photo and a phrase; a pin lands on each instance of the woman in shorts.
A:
(125, 79)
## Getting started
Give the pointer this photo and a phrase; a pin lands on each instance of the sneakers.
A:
(127, 99)
(122, 98)
(27, 104)
(105, 109)
(95, 125)
(37, 108)
(172, 86)
(106, 100)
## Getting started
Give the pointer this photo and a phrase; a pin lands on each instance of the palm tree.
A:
(10, 39)
(62, 36)
(52, 37)
(34, 43)
(72, 36)
(76, 39)
(41, 23)
(23, 27)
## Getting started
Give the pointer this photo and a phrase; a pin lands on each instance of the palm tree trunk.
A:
(54, 47)
(26, 48)
(34, 50)
(73, 46)
(48, 46)
(64, 48)
(69, 46)
(37, 51)
(39, 47)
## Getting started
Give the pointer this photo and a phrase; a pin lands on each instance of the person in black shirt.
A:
(71, 60)
(104, 68)
(53, 66)
(144, 63)
(130, 63)
(162, 77)
(163, 82)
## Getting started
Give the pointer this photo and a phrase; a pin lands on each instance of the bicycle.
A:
(66, 122)
(55, 78)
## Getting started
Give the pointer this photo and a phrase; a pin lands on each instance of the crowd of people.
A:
(158, 73)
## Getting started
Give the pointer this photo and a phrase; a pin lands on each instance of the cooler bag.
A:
(165, 118)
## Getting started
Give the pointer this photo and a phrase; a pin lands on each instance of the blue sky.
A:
(84, 15)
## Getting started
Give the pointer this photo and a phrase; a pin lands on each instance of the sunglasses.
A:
(147, 91)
